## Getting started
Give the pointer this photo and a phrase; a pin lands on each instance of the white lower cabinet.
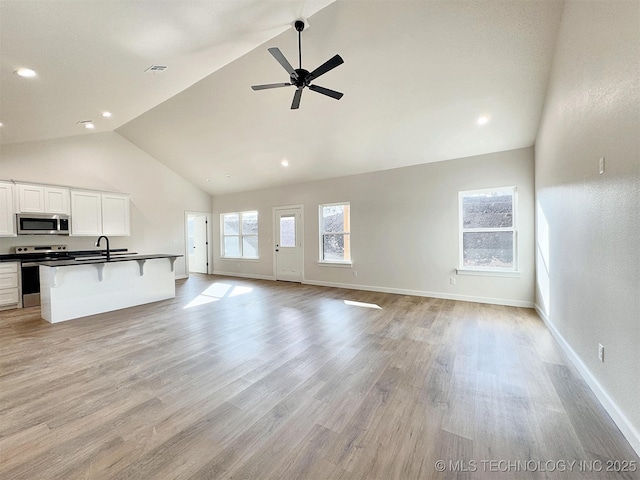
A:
(9, 290)
(95, 213)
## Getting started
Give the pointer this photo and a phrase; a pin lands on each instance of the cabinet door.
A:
(7, 214)
(56, 200)
(30, 199)
(86, 213)
(9, 295)
(115, 214)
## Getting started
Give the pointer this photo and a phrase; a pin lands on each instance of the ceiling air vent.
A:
(156, 68)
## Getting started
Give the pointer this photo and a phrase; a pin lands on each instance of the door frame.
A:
(209, 241)
(275, 239)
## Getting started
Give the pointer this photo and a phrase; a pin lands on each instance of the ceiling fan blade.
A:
(326, 91)
(330, 64)
(277, 54)
(270, 85)
(296, 99)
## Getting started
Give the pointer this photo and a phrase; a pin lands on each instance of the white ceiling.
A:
(416, 76)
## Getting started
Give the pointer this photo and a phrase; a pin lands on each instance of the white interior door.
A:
(197, 242)
(288, 244)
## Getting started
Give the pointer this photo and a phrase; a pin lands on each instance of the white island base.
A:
(79, 290)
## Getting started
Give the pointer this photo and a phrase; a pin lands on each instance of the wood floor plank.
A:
(251, 379)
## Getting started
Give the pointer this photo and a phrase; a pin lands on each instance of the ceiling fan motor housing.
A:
(301, 81)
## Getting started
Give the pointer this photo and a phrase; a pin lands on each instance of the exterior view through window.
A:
(488, 229)
(287, 231)
(335, 227)
(240, 234)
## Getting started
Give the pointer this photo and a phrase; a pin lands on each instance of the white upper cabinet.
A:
(86, 213)
(115, 214)
(7, 212)
(30, 199)
(42, 199)
(56, 200)
(96, 213)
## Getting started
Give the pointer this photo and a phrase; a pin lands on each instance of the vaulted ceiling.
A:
(416, 77)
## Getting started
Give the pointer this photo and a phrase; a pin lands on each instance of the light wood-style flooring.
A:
(250, 379)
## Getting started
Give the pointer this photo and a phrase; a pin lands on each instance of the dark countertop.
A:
(17, 257)
(8, 258)
(117, 258)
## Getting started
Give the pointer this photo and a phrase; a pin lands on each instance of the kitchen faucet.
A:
(108, 250)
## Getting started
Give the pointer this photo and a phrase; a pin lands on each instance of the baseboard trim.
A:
(422, 293)
(619, 418)
(181, 277)
(243, 275)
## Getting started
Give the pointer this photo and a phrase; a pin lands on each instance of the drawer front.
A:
(9, 296)
(11, 267)
(8, 280)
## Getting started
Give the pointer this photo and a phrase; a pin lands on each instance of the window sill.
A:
(336, 264)
(241, 259)
(489, 273)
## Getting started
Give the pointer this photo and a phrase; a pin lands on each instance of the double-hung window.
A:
(488, 229)
(239, 234)
(335, 233)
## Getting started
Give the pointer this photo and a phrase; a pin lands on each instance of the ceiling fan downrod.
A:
(299, 28)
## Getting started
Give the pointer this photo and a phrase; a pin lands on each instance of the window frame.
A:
(240, 235)
(321, 233)
(462, 268)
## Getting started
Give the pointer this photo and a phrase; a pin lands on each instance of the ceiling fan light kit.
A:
(299, 77)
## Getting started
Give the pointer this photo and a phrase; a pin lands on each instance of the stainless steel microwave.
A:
(42, 224)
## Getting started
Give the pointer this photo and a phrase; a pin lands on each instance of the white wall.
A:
(106, 161)
(404, 227)
(588, 225)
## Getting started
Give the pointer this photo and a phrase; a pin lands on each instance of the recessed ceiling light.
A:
(284, 163)
(1, 124)
(482, 120)
(106, 114)
(86, 124)
(26, 72)
(208, 180)
(228, 176)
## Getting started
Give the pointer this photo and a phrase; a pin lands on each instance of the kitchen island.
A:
(77, 288)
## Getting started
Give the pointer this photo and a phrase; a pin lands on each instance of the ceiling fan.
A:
(300, 77)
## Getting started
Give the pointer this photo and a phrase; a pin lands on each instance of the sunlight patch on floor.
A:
(362, 304)
(217, 291)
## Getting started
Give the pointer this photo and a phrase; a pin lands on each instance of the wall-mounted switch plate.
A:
(601, 165)
(601, 352)
(452, 280)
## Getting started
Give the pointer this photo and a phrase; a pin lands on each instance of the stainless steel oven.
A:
(30, 270)
(42, 224)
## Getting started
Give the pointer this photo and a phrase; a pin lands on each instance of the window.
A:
(239, 234)
(335, 226)
(488, 229)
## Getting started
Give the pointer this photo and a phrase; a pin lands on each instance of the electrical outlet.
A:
(452, 280)
(601, 165)
(601, 352)
(355, 273)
